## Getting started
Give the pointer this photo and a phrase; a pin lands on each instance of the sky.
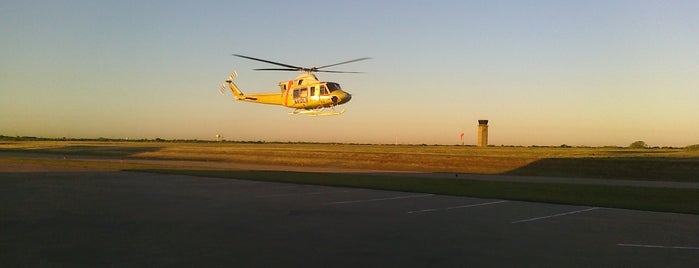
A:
(580, 73)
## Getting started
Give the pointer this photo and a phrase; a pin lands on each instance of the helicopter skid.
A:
(317, 112)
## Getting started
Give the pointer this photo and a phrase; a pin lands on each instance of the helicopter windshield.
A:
(333, 86)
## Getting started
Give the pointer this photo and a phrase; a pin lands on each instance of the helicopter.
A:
(305, 93)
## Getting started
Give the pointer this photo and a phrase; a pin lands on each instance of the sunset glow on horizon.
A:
(581, 73)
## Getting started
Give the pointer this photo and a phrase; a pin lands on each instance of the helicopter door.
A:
(314, 93)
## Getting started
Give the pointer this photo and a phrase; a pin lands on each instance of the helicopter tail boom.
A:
(234, 88)
(273, 98)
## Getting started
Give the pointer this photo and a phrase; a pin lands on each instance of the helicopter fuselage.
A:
(305, 92)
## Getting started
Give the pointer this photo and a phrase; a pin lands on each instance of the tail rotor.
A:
(229, 80)
(222, 89)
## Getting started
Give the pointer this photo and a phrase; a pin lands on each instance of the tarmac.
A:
(80, 218)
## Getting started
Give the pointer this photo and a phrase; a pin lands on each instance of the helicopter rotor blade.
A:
(296, 68)
(344, 62)
(276, 69)
(337, 72)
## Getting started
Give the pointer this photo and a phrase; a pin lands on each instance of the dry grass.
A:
(610, 163)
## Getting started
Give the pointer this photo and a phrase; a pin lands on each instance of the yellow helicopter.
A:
(306, 94)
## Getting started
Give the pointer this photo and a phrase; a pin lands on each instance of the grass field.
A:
(606, 163)
(609, 163)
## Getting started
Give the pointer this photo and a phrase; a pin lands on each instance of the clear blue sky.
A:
(543, 72)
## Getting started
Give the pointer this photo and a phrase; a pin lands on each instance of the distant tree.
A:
(638, 145)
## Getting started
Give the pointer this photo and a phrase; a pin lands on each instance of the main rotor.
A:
(298, 68)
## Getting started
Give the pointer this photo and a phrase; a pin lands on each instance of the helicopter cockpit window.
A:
(323, 90)
(333, 86)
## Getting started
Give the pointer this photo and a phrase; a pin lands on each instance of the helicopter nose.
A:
(342, 98)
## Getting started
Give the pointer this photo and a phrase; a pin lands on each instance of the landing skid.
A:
(317, 112)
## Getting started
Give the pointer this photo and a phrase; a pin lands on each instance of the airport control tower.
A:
(482, 133)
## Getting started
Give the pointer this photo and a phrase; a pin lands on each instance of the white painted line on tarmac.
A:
(295, 186)
(456, 207)
(378, 199)
(246, 181)
(557, 215)
(656, 246)
(301, 194)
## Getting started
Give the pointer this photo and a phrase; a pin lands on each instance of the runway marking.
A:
(656, 246)
(295, 186)
(378, 199)
(293, 194)
(557, 215)
(456, 207)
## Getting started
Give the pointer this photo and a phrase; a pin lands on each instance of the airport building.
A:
(482, 133)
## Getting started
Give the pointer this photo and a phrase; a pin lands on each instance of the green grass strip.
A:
(627, 197)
